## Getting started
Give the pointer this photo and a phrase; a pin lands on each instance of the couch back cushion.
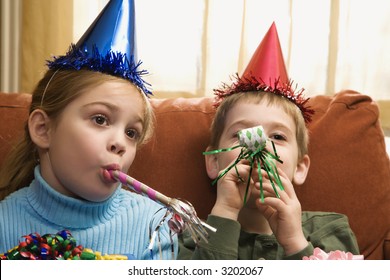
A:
(349, 173)
(13, 113)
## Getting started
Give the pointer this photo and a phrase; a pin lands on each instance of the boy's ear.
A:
(301, 170)
(39, 127)
(212, 166)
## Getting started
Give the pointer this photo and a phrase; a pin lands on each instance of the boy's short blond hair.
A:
(256, 97)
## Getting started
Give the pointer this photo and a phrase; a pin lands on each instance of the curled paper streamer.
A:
(59, 246)
(252, 142)
(183, 213)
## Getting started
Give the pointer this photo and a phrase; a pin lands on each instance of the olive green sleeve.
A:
(327, 231)
(221, 245)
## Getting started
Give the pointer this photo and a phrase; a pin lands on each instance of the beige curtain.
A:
(328, 45)
(47, 30)
(190, 47)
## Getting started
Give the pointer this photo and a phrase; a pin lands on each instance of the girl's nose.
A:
(117, 144)
(117, 149)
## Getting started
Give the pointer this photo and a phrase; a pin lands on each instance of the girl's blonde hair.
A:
(218, 124)
(52, 94)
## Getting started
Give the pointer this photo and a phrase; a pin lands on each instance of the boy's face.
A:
(96, 131)
(277, 124)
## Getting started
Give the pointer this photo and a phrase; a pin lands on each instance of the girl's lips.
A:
(107, 176)
(113, 166)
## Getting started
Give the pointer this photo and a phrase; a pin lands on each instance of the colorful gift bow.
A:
(59, 246)
(253, 143)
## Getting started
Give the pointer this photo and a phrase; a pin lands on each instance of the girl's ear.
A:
(39, 127)
(212, 166)
(301, 170)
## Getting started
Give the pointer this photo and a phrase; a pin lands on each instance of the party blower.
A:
(183, 213)
(252, 142)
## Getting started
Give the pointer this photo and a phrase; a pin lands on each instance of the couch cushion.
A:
(350, 169)
(13, 113)
(172, 161)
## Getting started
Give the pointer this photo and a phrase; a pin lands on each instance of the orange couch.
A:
(350, 169)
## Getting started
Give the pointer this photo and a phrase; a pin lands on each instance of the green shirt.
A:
(328, 231)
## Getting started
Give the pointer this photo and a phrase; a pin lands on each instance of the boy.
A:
(276, 228)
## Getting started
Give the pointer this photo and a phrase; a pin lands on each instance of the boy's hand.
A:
(284, 214)
(231, 190)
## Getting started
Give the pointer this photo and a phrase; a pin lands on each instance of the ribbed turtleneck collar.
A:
(68, 212)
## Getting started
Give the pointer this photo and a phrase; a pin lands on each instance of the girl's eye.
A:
(100, 120)
(132, 134)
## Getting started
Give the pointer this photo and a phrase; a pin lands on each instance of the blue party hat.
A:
(108, 46)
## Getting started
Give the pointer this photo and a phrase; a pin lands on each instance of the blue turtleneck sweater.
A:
(119, 225)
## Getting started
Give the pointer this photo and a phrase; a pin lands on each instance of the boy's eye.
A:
(100, 120)
(278, 137)
(132, 134)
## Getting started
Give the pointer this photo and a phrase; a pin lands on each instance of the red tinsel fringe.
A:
(245, 84)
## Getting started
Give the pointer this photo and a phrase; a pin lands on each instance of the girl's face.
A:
(99, 130)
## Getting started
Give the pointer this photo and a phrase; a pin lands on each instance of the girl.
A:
(81, 123)
(88, 115)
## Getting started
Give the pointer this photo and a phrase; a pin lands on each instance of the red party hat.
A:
(267, 63)
(266, 72)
